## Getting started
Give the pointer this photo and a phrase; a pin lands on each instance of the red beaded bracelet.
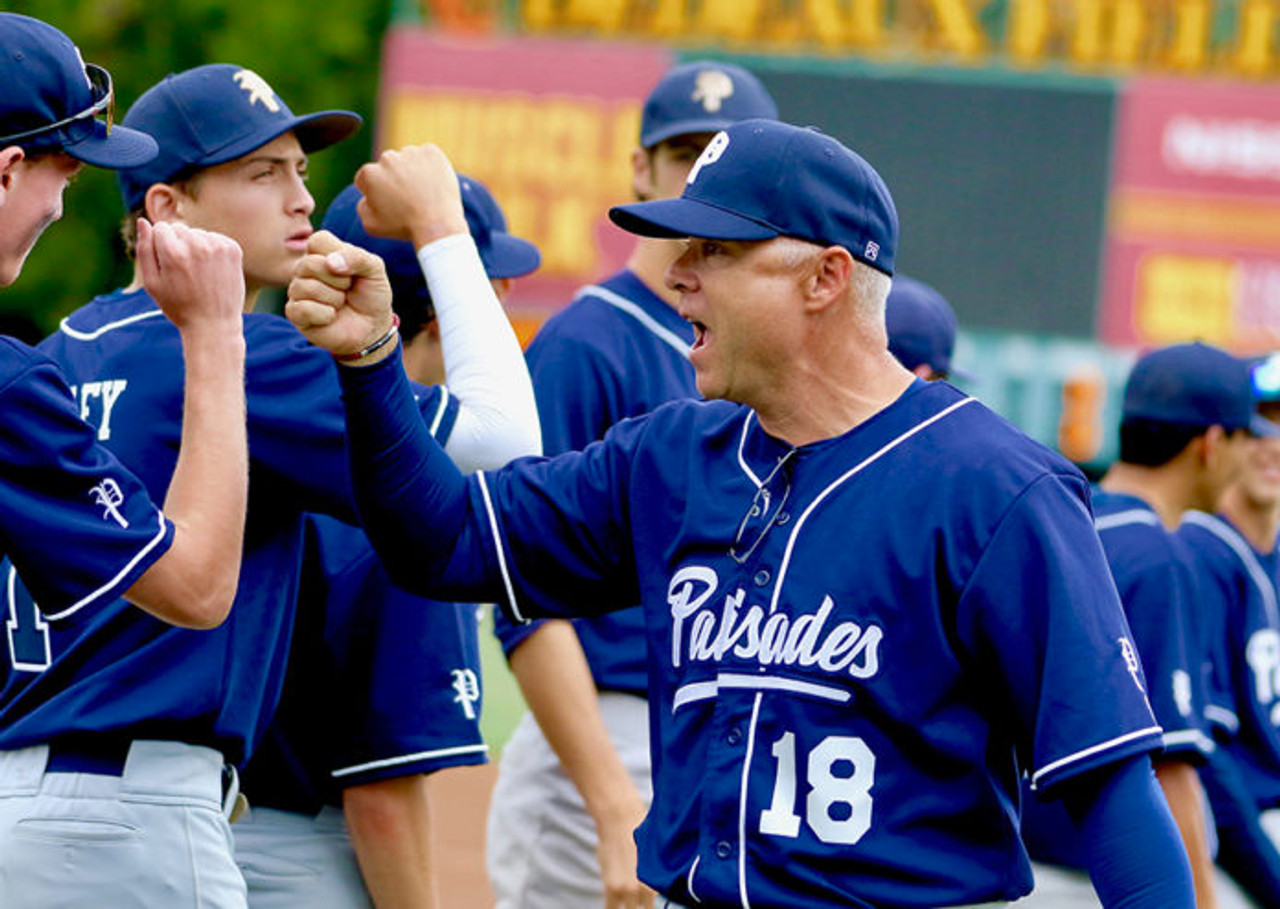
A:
(376, 345)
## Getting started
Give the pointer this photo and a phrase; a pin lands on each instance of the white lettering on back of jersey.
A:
(705, 635)
(96, 399)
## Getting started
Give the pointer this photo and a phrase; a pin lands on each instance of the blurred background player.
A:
(1188, 410)
(50, 127)
(234, 158)
(576, 769)
(1237, 554)
(922, 328)
(383, 688)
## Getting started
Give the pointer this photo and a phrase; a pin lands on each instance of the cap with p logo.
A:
(760, 179)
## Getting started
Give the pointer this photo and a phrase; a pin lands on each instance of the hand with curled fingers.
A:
(340, 299)
(411, 194)
(195, 276)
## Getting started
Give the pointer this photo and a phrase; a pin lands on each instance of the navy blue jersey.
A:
(844, 702)
(1240, 603)
(116, 668)
(80, 525)
(618, 350)
(381, 682)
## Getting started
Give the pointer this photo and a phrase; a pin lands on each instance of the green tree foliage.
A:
(316, 55)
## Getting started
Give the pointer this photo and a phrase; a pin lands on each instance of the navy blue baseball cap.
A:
(1194, 385)
(503, 255)
(702, 97)
(760, 179)
(52, 100)
(217, 113)
(922, 326)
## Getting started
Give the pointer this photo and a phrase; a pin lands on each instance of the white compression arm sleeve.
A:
(484, 366)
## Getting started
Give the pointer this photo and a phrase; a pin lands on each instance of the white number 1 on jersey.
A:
(826, 790)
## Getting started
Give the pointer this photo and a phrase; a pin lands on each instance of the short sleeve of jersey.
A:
(79, 527)
(1038, 609)
(1158, 600)
(411, 697)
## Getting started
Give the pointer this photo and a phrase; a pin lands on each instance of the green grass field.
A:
(503, 704)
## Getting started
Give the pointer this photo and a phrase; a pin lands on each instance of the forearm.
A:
(1181, 786)
(194, 583)
(390, 828)
(484, 366)
(1135, 857)
(411, 498)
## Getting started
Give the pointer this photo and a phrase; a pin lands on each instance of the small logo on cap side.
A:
(872, 252)
(710, 155)
(711, 88)
(258, 89)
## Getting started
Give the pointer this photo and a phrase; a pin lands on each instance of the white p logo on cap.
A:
(710, 155)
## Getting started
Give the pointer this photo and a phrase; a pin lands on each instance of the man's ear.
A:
(830, 276)
(10, 157)
(641, 175)
(162, 203)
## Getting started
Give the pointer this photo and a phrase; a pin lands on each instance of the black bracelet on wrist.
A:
(376, 345)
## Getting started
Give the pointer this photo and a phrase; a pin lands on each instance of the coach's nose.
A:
(680, 275)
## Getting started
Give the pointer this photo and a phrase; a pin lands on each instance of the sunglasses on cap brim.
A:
(104, 103)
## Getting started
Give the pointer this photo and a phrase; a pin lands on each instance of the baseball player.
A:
(98, 534)
(1238, 559)
(870, 603)
(382, 688)
(122, 691)
(922, 329)
(576, 768)
(1187, 412)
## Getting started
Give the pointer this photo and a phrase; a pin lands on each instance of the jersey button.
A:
(733, 736)
(724, 849)
(762, 577)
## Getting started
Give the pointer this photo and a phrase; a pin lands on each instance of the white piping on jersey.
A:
(409, 758)
(1195, 737)
(621, 303)
(110, 326)
(847, 475)
(742, 803)
(1126, 518)
(440, 410)
(497, 545)
(1092, 750)
(742, 442)
(1244, 552)
(1225, 718)
(689, 880)
(700, 691)
(85, 601)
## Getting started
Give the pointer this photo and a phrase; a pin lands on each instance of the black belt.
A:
(104, 755)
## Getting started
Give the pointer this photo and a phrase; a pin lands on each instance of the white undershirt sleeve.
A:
(483, 363)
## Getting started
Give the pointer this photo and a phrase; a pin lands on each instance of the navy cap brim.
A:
(684, 128)
(1263, 428)
(120, 148)
(676, 218)
(510, 257)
